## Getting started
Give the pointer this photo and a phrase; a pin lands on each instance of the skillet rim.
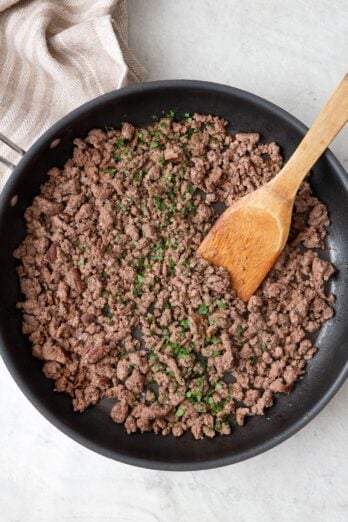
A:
(5, 196)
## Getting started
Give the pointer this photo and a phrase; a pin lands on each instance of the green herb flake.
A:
(264, 346)
(119, 144)
(154, 145)
(171, 114)
(179, 351)
(218, 386)
(171, 262)
(253, 359)
(140, 137)
(106, 311)
(159, 203)
(191, 190)
(194, 396)
(104, 275)
(140, 262)
(185, 324)
(214, 340)
(216, 353)
(179, 412)
(82, 261)
(137, 292)
(139, 279)
(156, 133)
(239, 334)
(111, 171)
(218, 425)
(220, 304)
(203, 309)
(161, 162)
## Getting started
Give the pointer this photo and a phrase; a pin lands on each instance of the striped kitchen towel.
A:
(54, 56)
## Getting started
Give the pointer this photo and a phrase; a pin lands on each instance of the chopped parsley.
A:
(203, 309)
(140, 262)
(110, 170)
(185, 324)
(179, 351)
(106, 311)
(171, 114)
(220, 304)
(139, 279)
(194, 396)
(140, 137)
(159, 203)
(213, 340)
(253, 359)
(119, 144)
(239, 334)
(179, 412)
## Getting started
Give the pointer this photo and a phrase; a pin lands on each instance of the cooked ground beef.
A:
(110, 252)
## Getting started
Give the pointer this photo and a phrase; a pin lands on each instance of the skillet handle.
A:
(12, 146)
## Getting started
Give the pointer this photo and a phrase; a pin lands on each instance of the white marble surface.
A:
(292, 53)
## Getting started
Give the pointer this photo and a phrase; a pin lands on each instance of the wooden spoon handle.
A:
(330, 121)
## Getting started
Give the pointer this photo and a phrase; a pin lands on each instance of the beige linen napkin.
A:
(54, 56)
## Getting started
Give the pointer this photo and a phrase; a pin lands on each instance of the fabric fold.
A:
(54, 56)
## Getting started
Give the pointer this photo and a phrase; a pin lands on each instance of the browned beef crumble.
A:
(110, 247)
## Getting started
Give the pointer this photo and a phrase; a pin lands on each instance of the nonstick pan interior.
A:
(325, 373)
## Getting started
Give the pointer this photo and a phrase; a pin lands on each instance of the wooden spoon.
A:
(249, 236)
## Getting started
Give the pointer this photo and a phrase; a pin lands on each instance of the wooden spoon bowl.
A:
(249, 236)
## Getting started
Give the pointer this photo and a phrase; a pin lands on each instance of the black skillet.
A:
(94, 429)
